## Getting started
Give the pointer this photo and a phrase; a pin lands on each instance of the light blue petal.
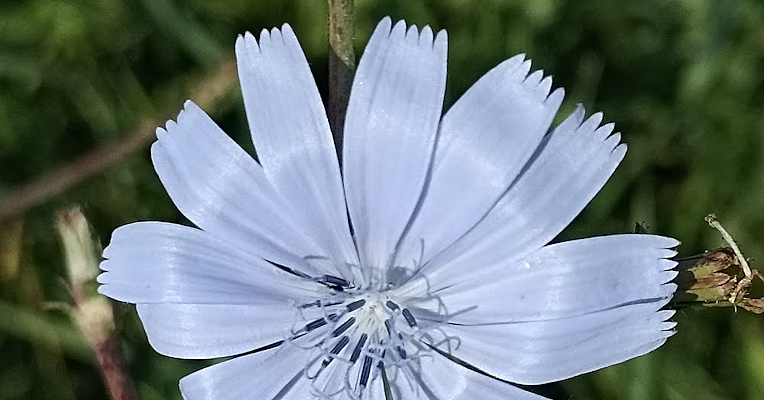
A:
(551, 350)
(292, 139)
(262, 375)
(436, 377)
(567, 309)
(156, 262)
(562, 280)
(222, 190)
(392, 119)
(203, 331)
(485, 140)
(569, 168)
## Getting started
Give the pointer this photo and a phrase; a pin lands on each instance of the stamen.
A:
(334, 282)
(356, 305)
(319, 303)
(316, 303)
(340, 345)
(336, 350)
(350, 314)
(358, 348)
(325, 362)
(345, 326)
(319, 322)
(365, 371)
(315, 324)
(401, 352)
(409, 318)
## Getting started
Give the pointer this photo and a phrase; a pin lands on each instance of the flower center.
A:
(356, 336)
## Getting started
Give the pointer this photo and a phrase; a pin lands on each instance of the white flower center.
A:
(356, 336)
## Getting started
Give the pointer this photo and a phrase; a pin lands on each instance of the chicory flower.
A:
(426, 252)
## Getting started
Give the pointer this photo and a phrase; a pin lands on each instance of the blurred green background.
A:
(681, 78)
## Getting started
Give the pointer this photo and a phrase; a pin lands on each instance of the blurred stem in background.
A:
(91, 311)
(206, 93)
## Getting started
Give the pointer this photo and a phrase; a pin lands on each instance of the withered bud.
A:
(715, 279)
(80, 249)
(92, 312)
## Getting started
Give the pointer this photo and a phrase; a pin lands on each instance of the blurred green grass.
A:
(681, 78)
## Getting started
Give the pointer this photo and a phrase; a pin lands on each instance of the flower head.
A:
(443, 262)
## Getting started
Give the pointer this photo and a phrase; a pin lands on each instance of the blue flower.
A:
(426, 251)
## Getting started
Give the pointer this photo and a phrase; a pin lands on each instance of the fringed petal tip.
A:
(187, 116)
(401, 30)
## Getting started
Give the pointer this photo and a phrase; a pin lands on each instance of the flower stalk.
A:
(92, 312)
(341, 64)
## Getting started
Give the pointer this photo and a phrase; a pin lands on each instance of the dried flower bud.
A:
(718, 278)
(707, 278)
(80, 249)
(92, 312)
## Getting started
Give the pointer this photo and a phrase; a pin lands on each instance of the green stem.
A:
(341, 64)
